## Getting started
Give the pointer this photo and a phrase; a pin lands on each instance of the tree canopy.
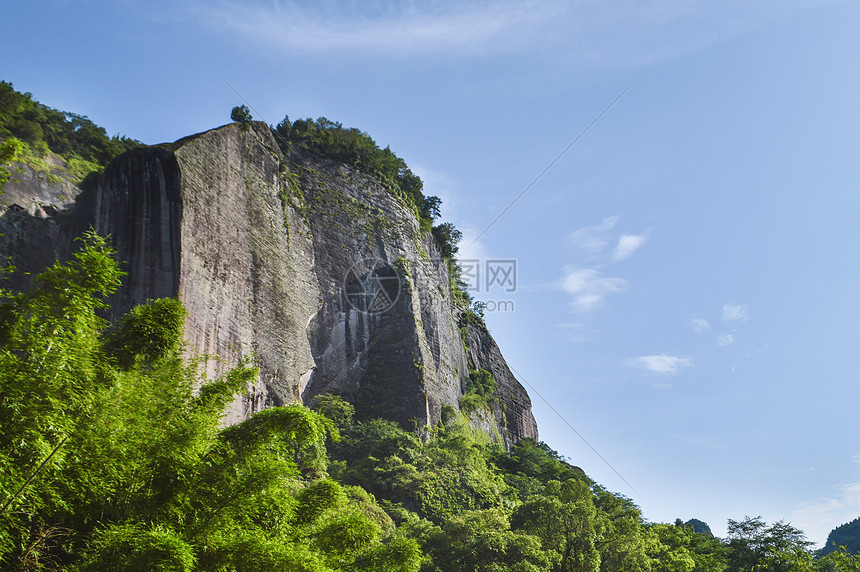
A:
(85, 146)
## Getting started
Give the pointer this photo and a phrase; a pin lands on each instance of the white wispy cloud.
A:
(760, 350)
(606, 33)
(389, 29)
(591, 241)
(594, 248)
(725, 340)
(817, 517)
(699, 325)
(589, 287)
(735, 312)
(660, 363)
(627, 245)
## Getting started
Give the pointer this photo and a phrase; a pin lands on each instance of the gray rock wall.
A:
(36, 227)
(312, 267)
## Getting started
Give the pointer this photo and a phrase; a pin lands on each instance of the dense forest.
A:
(110, 460)
(113, 457)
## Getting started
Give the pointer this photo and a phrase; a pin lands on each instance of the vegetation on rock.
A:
(480, 391)
(83, 146)
(9, 151)
(354, 147)
(358, 149)
(242, 115)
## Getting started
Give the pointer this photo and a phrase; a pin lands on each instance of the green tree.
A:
(447, 237)
(242, 115)
(839, 560)
(335, 408)
(846, 535)
(83, 145)
(709, 552)
(564, 517)
(50, 376)
(283, 131)
(620, 541)
(669, 548)
(482, 541)
(755, 546)
(429, 208)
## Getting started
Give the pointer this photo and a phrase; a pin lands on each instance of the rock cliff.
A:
(316, 269)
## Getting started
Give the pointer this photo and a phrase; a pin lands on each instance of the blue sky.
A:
(687, 272)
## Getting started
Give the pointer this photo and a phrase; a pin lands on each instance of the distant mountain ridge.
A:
(847, 535)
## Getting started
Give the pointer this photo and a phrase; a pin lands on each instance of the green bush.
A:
(480, 391)
(242, 115)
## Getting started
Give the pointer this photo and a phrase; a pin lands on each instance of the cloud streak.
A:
(576, 331)
(380, 28)
(818, 516)
(627, 245)
(661, 363)
(735, 312)
(592, 241)
(607, 33)
(593, 246)
(589, 287)
(699, 325)
(725, 340)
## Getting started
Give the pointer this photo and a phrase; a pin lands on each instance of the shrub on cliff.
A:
(355, 147)
(242, 115)
(9, 151)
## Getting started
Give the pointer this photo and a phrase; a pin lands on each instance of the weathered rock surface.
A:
(312, 267)
(36, 225)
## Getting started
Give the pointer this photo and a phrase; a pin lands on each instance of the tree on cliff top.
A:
(242, 115)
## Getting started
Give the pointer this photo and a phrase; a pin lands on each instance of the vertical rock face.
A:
(35, 226)
(139, 204)
(385, 336)
(202, 219)
(313, 268)
(515, 415)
